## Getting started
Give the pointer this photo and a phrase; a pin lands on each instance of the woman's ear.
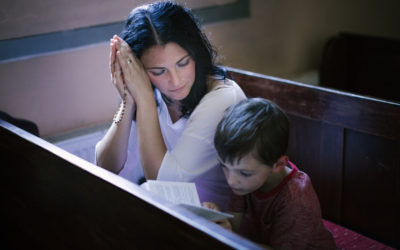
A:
(280, 164)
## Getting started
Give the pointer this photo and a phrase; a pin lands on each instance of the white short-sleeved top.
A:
(191, 155)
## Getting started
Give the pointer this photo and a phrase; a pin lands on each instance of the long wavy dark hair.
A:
(163, 22)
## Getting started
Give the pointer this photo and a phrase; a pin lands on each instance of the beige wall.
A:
(60, 91)
(22, 18)
(71, 89)
(286, 37)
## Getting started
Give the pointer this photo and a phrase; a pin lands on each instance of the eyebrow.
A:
(184, 57)
(236, 169)
(180, 60)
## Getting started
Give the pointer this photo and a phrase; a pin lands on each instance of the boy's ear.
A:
(280, 164)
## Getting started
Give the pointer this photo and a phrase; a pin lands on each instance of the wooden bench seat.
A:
(348, 239)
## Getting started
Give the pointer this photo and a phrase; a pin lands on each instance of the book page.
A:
(185, 195)
(175, 192)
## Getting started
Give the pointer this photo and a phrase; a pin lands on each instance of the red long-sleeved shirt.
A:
(287, 217)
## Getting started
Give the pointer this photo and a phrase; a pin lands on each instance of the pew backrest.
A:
(52, 199)
(348, 144)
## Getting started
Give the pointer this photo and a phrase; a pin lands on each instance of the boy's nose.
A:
(232, 180)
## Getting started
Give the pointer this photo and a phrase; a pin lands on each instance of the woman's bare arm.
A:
(151, 143)
(111, 151)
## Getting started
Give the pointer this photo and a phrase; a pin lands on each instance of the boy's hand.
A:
(225, 223)
(211, 205)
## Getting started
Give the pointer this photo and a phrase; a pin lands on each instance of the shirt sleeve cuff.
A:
(169, 169)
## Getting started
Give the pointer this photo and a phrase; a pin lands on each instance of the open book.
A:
(183, 194)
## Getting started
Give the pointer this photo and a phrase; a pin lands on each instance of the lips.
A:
(178, 89)
(237, 191)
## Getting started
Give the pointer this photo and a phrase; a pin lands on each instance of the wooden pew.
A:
(54, 200)
(350, 147)
(348, 144)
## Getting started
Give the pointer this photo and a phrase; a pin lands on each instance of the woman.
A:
(173, 96)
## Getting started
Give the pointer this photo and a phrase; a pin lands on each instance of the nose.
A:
(174, 78)
(231, 179)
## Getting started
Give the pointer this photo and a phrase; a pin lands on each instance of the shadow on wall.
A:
(360, 64)
(26, 125)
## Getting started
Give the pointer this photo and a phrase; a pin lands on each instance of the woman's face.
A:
(171, 69)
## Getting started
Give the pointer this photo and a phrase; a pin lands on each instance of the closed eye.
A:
(184, 62)
(245, 173)
(157, 72)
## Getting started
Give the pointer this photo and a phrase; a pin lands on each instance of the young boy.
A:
(274, 203)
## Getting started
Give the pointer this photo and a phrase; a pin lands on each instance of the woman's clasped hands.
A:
(127, 73)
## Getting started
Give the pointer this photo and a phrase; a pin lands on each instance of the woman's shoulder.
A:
(223, 94)
(225, 87)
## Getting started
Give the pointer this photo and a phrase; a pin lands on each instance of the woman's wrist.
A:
(119, 114)
(145, 99)
(126, 108)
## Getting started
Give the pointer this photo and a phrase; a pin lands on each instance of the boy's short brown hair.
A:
(252, 125)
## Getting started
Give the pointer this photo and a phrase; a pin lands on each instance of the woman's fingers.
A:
(120, 84)
(117, 75)
(118, 78)
(118, 42)
(125, 49)
(134, 77)
(133, 73)
(112, 58)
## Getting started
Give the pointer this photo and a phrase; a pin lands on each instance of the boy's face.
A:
(247, 175)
